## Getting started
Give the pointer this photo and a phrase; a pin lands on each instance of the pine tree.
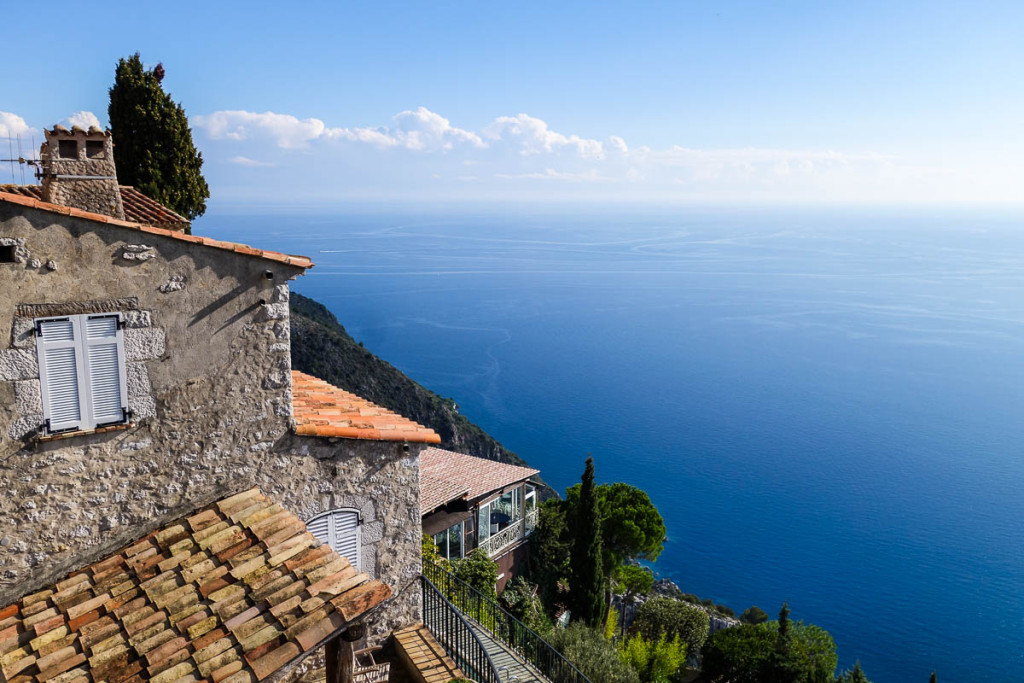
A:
(586, 586)
(934, 678)
(153, 148)
(856, 675)
(783, 642)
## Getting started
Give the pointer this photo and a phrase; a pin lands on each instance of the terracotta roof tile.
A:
(23, 199)
(322, 409)
(447, 476)
(138, 208)
(173, 630)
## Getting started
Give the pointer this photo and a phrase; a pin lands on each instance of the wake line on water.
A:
(491, 393)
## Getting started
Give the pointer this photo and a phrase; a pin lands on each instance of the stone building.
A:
(146, 392)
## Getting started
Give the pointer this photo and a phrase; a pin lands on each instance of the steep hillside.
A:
(322, 347)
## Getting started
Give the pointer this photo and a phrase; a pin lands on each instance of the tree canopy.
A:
(153, 148)
(631, 526)
(774, 652)
(664, 617)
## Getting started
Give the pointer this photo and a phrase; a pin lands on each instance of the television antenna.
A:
(21, 160)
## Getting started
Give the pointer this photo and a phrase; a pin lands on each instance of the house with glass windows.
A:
(468, 503)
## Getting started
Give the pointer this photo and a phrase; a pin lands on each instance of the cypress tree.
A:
(153, 148)
(586, 587)
(935, 678)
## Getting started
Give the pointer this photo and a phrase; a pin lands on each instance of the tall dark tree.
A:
(153, 148)
(935, 677)
(586, 581)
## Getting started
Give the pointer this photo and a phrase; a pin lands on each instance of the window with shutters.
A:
(340, 530)
(82, 371)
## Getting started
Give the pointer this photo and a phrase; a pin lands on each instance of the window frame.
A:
(446, 538)
(81, 343)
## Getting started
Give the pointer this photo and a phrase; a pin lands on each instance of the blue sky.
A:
(750, 101)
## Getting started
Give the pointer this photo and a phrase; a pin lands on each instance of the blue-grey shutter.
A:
(107, 395)
(61, 375)
(345, 533)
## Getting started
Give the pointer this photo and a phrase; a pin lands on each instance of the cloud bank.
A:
(421, 155)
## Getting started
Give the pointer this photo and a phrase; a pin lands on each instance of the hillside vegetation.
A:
(322, 347)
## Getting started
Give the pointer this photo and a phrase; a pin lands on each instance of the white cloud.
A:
(285, 130)
(252, 163)
(422, 129)
(419, 129)
(12, 125)
(82, 119)
(532, 136)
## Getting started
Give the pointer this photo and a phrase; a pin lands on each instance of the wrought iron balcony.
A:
(516, 530)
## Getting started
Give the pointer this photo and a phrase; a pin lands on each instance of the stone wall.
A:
(213, 345)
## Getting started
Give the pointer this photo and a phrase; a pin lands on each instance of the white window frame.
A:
(81, 343)
(331, 539)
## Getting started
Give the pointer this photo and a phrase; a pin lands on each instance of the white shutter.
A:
(61, 375)
(104, 365)
(320, 527)
(82, 371)
(340, 530)
(345, 534)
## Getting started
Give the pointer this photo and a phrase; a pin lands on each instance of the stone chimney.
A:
(78, 170)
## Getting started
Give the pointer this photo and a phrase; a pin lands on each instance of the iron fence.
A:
(445, 621)
(504, 627)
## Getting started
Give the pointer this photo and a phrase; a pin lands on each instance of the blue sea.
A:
(827, 405)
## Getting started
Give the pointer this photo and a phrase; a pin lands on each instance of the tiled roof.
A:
(229, 595)
(322, 409)
(446, 476)
(138, 208)
(300, 261)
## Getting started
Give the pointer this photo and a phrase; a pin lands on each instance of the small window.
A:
(340, 530)
(7, 254)
(94, 149)
(82, 372)
(67, 149)
(449, 542)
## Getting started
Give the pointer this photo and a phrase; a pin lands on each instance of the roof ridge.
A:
(31, 202)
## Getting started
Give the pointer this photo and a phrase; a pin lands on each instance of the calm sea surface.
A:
(827, 406)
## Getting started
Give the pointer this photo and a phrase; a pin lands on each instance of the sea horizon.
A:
(820, 401)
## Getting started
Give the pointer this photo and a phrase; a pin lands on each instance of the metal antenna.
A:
(21, 161)
(21, 155)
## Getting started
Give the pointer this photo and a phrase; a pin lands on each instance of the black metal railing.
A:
(504, 627)
(456, 636)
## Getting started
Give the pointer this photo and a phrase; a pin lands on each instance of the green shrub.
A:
(594, 656)
(754, 615)
(521, 600)
(742, 654)
(479, 571)
(750, 653)
(670, 618)
(611, 623)
(654, 661)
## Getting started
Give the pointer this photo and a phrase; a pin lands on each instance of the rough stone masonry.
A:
(209, 381)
